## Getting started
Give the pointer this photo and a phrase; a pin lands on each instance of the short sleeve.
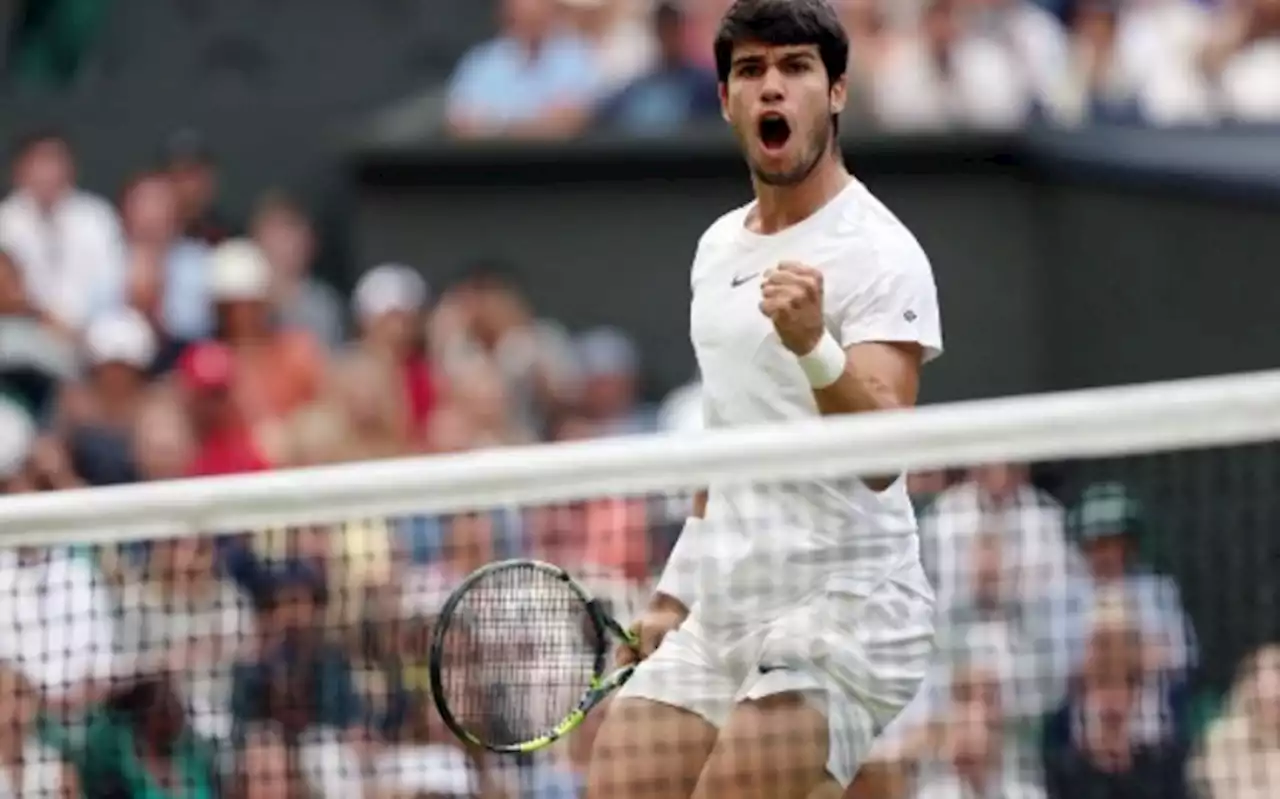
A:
(470, 86)
(898, 302)
(575, 77)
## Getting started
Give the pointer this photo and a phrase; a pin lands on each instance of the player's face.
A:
(779, 102)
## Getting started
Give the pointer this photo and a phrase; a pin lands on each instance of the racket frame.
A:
(602, 682)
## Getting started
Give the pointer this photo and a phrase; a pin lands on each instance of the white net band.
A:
(1149, 418)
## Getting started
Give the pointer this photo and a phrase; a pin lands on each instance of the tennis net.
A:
(1102, 562)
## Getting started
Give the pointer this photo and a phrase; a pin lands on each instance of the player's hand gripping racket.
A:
(520, 654)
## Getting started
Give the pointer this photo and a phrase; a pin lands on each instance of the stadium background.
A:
(1082, 236)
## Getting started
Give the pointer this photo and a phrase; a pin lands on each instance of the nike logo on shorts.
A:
(738, 281)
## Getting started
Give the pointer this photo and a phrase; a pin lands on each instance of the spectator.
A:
(621, 43)
(388, 304)
(1243, 58)
(225, 441)
(300, 680)
(610, 366)
(318, 435)
(55, 622)
(181, 619)
(267, 767)
(451, 430)
(1028, 34)
(35, 358)
(1110, 523)
(66, 241)
(420, 756)
(485, 319)
(533, 80)
(1107, 741)
(283, 231)
(478, 389)
(28, 766)
(369, 392)
(673, 93)
(467, 543)
(277, 369)
(194, 171)
(1135, 61)
(944, 75)
(872, 34)
(1240, 756)
(166, 273)
(963, 735)
(163, 444)
(98, 416)
(141, 746)
(994, 548)
(363, 416)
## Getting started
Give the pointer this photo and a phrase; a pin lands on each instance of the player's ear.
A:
(839, 95)
(724, 100)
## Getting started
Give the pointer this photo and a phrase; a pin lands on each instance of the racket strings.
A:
(520, 652)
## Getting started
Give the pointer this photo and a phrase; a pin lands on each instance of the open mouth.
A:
(774, 131)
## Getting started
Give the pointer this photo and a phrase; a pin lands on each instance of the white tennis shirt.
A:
(767, 547)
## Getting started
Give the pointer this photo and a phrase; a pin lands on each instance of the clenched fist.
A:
(791, 296)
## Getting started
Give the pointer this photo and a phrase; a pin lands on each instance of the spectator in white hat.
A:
(278, 369)
(119, 348)
(388, 304)
(98, 415)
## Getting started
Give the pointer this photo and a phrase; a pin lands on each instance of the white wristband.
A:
(682, 575)
(825, 363)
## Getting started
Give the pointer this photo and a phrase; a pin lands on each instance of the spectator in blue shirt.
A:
(674, 94)
(301, 680)
(533, 80)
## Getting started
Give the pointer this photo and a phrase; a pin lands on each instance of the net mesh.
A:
(1104, 623)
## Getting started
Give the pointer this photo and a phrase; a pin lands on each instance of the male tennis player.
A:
(791, 623)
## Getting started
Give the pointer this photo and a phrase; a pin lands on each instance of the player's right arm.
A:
(674, 594)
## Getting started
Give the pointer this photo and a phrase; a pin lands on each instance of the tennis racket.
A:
(520, 654)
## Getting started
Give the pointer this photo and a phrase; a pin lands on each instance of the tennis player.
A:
(791, 624)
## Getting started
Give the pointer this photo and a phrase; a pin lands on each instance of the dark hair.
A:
(278, 202)
(781, 23)
(489, 273)
(32, 139)
(137, 179)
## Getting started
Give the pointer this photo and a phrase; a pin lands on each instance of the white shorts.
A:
(859, 659)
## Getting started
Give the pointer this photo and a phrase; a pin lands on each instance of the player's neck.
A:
(780, 207)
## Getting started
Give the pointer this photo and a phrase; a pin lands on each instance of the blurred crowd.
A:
(150, 339)
(558, 68)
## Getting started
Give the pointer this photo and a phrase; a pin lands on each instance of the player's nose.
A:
(772, 87)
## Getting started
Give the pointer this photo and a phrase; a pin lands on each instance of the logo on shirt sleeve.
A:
(910, 316)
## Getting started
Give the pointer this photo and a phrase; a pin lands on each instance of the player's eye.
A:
(749, 70)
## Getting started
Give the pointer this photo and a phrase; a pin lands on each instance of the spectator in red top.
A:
(278, 369)
(388, 304)
(225, 442)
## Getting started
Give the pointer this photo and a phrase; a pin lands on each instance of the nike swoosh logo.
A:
(738, 281)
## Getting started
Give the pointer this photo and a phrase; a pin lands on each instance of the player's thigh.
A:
(647, 749)
(662, 724)
(773, 747)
